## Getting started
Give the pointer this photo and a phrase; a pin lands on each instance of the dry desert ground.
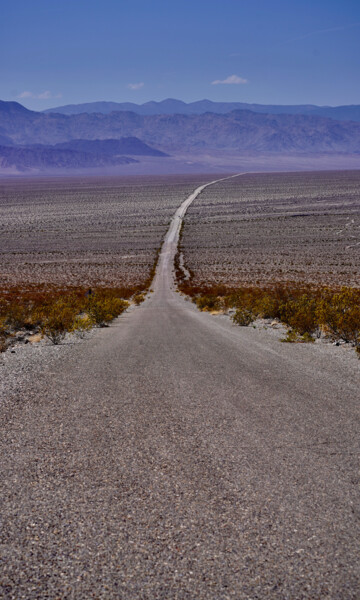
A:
(260, 229)
(85, 231)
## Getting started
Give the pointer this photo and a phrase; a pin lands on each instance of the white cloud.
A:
(135, 86)
(25, 95)
(47, 95)
(232, 79)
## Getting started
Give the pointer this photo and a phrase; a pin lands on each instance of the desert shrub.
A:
(300, 314)
(208, 303)
(339, 313)
(3, 325)
(102, 309)
(55, 311)
(242, 299)
(267, 307)
(18, 315)
(139, 298)
(243, 317)
(57, 320)
(80, 325)
(293, 336)
(307, 310)
(3, 335)
(3, 343)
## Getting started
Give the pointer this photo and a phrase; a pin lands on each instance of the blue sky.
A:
(56, 52)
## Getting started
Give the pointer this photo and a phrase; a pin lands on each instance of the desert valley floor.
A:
(173, 454)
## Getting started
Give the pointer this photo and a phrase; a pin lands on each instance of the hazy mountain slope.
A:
(50, 158)
(340, 113)
(112, 147)
(240, 131)
(172, 106)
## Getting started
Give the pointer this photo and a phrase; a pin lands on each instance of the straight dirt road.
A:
(175, 455)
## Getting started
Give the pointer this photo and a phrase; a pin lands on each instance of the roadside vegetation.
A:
(53, 312)
(28, 314)
(309, 312)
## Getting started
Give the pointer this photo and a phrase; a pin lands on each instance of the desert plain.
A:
(262, 229)
(85, 231)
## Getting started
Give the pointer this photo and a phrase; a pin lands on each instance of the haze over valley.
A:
(43, 142)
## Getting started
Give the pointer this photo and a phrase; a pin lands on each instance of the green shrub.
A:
(293, 337)
(139, 298)
(307, 338)
(243, 317)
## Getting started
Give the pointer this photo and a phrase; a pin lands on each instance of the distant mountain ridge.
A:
(29, 152)
(239, 131)
(32, 140)
(172, 106)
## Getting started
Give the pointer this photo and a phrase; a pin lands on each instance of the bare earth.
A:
(85, 231)
(261, 228)
(175, 455)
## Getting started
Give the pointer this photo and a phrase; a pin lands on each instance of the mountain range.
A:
(172, 106)
(75, 154)
(37, 139)
(111, 147)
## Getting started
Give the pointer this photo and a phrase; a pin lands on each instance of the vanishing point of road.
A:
(174, 455)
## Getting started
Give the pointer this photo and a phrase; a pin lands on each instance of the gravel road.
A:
(174, 455)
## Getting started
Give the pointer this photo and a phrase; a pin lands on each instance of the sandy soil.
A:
(85, 231)
(261, 228)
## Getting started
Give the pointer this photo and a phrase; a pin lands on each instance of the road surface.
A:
(175, 455)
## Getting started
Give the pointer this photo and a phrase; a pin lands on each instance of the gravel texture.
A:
(85, 230)
(262, 228)
(175, 455)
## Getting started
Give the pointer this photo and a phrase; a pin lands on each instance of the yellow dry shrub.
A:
(56, 320)
(300, 314)
(103, 309)
(266, 307)
(208, 303)
(305, 309)
(18, 316)
(340, 315)
(81, 324)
